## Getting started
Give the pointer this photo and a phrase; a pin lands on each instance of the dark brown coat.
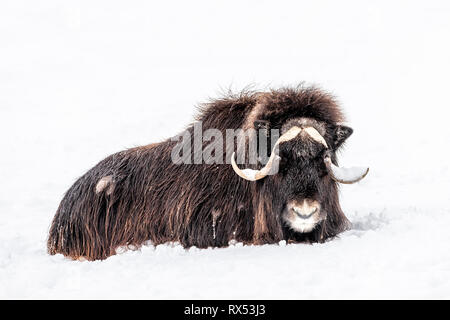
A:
(147, 197)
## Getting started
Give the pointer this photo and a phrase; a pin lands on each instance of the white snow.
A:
(80, 80)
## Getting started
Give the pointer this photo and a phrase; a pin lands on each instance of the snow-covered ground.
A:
(80, 80)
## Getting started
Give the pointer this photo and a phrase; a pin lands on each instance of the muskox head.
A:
(303, 173)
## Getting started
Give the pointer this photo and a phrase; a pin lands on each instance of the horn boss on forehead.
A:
(272, 164)
(342, 175)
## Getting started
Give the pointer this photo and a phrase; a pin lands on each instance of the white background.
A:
(80, 80)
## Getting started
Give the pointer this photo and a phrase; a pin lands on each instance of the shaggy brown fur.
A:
(145, 196)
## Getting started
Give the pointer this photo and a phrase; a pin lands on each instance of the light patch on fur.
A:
(301, 226)
(103, 183)
(256, 111)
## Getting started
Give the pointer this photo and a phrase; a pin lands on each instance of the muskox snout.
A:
(302, 216)
(305, 212)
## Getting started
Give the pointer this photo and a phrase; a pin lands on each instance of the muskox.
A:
(141, 195)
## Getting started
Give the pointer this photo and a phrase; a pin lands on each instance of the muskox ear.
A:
(341, 133)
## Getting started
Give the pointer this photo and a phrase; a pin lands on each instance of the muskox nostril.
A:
(304, 213)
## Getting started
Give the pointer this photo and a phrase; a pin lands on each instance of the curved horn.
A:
(342, 175)
(315, 135)
(345, 175)
(253, 175)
